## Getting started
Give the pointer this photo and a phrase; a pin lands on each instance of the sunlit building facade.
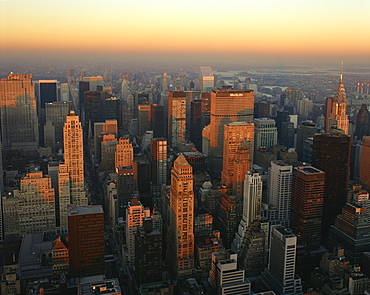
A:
(181, 232)
(19, 122)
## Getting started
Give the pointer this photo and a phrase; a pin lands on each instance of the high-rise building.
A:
(280, 190)
(206, 79)
(336, 109)
(158, 150)
(265, 133)
(64, 92)
(229, 216)
(64, 195)
(56, 113)
(195, 123)
(238, 148)
(86, 240)
(181, 232)
(292, 95)
(351, 229)
(362, 122)
(157, 120)
(126, 186)
(250, 239)
(148, 253)
(226, 277)
(279, 276)
(176, 117)
(48, 92)
(32, 207)
(74, 158)
(144, 118)
(307, 204)
(305, 130)
(108, 150)
(19, 123)
(365, 162)
(124, 154)
(135, 214)
(226, 107)
(331, 154)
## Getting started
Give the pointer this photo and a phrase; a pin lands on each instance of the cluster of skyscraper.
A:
(199, 184)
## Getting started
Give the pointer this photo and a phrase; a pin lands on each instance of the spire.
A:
(341, 75)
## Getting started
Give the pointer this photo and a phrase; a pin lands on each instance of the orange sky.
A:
(333, 29)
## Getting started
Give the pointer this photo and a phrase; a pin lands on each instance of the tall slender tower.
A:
(338, 112)
(74, 158)
(307, 204)
(238, 136)
(280, 276)
(176, 117)
(181, 235)
(19, 123)
(280, 189)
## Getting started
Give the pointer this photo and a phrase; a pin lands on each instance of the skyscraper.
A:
(362, 122)
(74, 158)
(280, 190)
(181, 232)
(365, 162)
(206, 79)
(86, 240)
(351, 229)
(307, 204)
(135, 214)
(238, 136)
(48, 92)
(331, 154)
(226, 107)
(279, 275)
(265, 133)
(305, 130)
(176, 117)
(19, 123)
(158, 150)
(337, 111)
(56, 113)
(250, 240)
(124, 154)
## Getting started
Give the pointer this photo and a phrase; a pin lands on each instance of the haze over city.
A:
(239, 32)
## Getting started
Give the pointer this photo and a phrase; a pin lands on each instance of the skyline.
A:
(209, 31)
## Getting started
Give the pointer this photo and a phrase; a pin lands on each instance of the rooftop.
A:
(81, 210)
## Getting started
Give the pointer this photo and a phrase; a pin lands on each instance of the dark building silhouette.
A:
(48, 92)
(195, 124)
(351, 229)
(307, 205)
(94, 108)
(262, 110)
(126, 186)
(331, 154)
(305, 130)
(83, 86)
(148, 253)
(86, 240)
(230, 213)
(157, 120)
(362, 122)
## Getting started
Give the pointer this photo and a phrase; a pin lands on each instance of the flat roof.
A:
(308, 169)
(81, 210)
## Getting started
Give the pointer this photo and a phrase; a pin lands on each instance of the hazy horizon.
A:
(238, 32)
